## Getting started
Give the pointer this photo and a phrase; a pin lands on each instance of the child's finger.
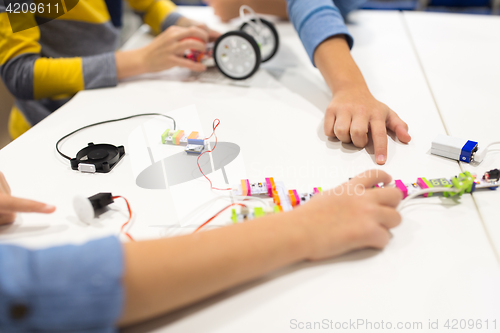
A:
(342, 126)
(329, 123)
(189, 44)
(379, 135)
(388, 196)
(388, 217)
(6, 218)
(398, 126)
(213, 35)
(4, 186)
(192, 32)
(186, 63)
(359, 131)
(10, 204)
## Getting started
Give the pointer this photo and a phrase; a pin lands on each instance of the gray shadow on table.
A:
(284, 59)
(183, 167)
(304, 84)
(243, 307)
(288, 70)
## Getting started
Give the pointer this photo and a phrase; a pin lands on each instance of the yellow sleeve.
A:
(15, 44)
(55, 77)
(154, 11)
(30, 76)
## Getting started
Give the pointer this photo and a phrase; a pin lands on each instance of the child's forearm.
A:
(166, 274)
(129, 63)
(333, 59)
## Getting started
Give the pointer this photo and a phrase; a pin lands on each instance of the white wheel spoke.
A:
(265, 39)
(236, 56)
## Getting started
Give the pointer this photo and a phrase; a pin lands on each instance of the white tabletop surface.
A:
(460, 56)
(440, 264)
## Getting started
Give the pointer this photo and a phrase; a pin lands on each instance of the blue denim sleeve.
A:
(316, 21)
(61, 289)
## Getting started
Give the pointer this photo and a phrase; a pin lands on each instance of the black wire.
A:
(109, 121)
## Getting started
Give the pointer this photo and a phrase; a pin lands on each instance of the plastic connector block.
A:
(258, 212)
(273, 186)
(198, 142)
(195, 146)
(269, 187)
(234, 217)
(424, 184)
(245, 188)
(180, 138)
(294, 198)
(463, 182)
(399, 184)
(176, 138)
(276, 198)
(248, 187)
(297, 197)
(193, 135)
(194, 149)
(164, 136)
(471, 181)
(258, 189)
(455, 148)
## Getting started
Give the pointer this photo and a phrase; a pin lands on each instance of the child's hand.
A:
(349, 217)
(168, 48)
(353, 113)
(186, 23)
(9, 205)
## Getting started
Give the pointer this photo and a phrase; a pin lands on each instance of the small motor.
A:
(88, 208)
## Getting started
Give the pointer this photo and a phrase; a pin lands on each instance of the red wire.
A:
(213, 217)
(209, 151)
(129, 218)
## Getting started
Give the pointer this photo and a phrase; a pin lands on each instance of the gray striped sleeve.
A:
(99, 71)
(170, 20)
(17, 75)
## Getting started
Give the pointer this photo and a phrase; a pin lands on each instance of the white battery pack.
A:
(455, 148)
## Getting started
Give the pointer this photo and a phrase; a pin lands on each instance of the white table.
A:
(438, 266)
(460, 56)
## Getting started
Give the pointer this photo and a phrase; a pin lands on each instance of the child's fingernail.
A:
(49, 208)
(380, 159)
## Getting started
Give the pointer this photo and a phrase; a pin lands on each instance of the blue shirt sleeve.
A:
(318, 20)
(61, 289)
